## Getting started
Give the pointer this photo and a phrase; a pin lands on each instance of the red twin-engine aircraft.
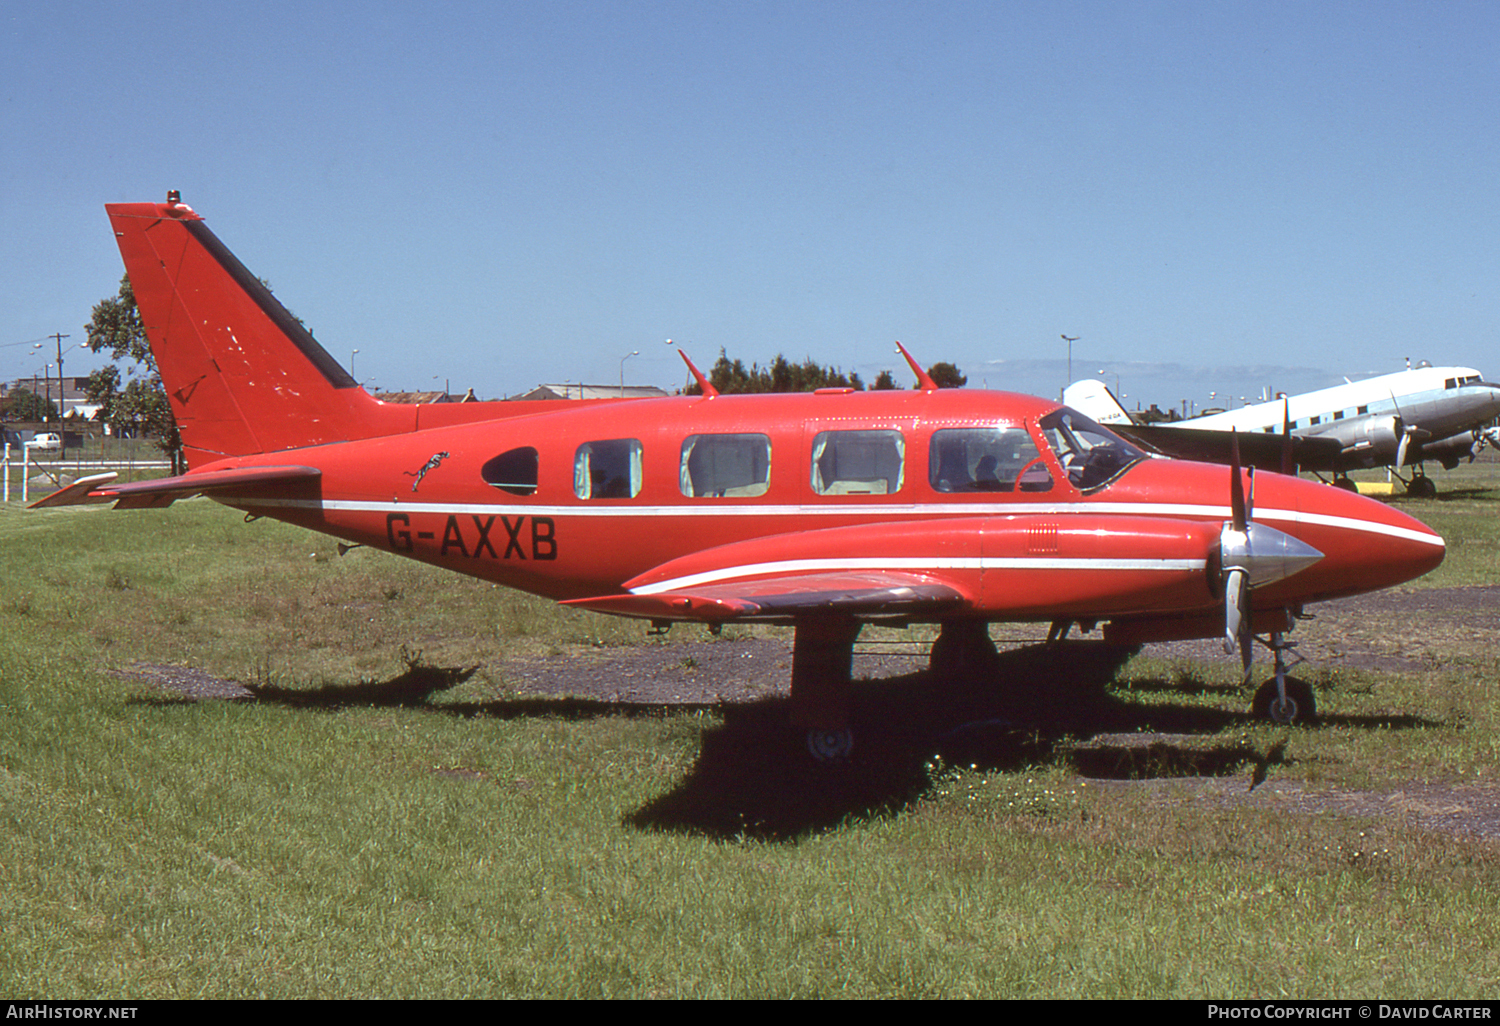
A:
(822, 511)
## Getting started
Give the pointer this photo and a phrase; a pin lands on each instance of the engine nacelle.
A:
(1448, 451)
(1371, 440)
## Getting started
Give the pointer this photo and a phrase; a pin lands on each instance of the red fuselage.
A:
(507, 501)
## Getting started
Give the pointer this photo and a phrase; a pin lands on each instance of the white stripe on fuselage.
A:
(885, 510)
(913, 563)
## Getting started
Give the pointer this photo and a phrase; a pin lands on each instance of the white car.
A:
(47, 440)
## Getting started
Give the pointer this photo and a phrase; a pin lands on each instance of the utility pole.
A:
(62, 446)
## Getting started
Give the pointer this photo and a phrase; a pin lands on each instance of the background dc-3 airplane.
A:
(1401, 419)
(821, 511)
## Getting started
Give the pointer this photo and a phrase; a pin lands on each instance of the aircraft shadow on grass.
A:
(755, 778)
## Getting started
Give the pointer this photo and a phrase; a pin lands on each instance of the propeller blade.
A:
(1239, 633)
(1246, 639)
(1404, 431)
(1235, 583)
(1236, 486)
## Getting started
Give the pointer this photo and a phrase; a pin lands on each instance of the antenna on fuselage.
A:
(709, 391)
(924, 380)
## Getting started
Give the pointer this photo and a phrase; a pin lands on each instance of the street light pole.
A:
(1070, 342)
(627, 356)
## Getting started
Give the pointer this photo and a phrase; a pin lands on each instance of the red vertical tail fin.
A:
(242, 374)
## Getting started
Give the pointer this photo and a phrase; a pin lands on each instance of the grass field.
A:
(475, 842)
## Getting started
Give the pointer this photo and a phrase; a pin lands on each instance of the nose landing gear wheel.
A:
(1298, 707)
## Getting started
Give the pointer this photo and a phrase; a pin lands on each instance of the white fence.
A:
(20, 458)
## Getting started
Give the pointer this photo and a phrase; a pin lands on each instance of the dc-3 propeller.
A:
(1251, 556)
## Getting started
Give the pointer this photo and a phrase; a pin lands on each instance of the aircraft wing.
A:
(868, 594)
(164, 491)
(1257, 449)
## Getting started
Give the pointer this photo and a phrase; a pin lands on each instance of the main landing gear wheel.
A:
(1346, 484)
(1421, 487)
(1298, 707)
(830, 746)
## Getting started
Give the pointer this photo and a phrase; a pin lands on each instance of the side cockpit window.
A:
(999, 459)
(725, 466)
(1091, 455)
(608, 470)
(512, 471)
(858, 462)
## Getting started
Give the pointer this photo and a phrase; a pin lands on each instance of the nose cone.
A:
(1366, 544)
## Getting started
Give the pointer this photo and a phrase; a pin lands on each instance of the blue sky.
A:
(1212, 196)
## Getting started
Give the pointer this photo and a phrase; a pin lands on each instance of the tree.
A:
(24, 404)
(141, 407)
(731, 377)
(885, 381)
(946, 375)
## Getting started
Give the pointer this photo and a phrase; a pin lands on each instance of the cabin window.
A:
(1362, 410)
(513, 471)
(1316, 420)
(608, 470)
(1091, 455)
(1338, 415)
(857, 462)
(1451, 383)
(986, 460)
(725, 466)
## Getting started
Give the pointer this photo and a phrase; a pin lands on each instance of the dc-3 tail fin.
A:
(1094, 400)
(243, 376)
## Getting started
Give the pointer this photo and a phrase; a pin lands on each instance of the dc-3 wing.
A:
(1262, 451)
(166, 490)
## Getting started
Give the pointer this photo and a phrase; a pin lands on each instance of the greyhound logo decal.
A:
(429, 465)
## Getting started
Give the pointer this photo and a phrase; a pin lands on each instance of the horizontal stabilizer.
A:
(786, 597)
(164, 491)
(79, 493)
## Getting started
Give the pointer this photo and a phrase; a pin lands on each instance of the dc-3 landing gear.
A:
(1421, 486)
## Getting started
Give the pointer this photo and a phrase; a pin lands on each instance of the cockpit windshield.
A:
(1091, 455)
